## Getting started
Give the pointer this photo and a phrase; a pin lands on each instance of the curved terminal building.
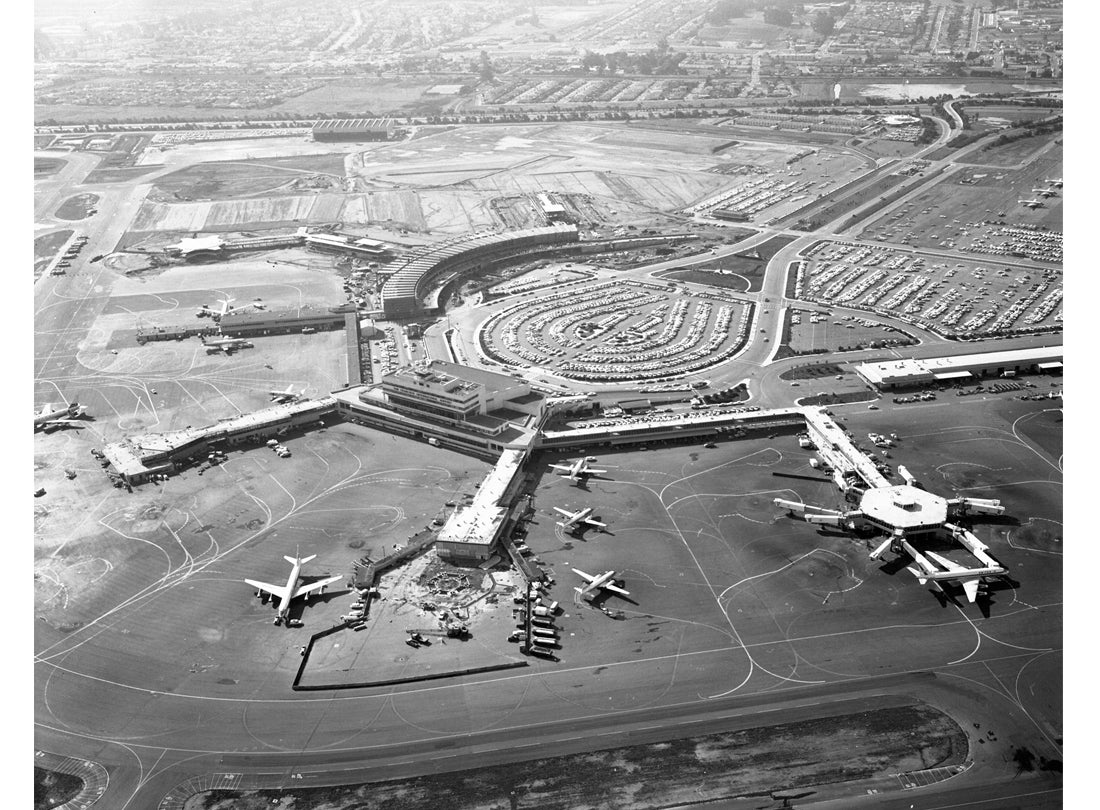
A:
(445, 261)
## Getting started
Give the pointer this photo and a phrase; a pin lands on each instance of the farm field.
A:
(953, 298)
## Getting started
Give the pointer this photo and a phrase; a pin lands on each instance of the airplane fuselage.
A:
(291, 585)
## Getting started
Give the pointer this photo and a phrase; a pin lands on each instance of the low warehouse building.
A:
(930, 370)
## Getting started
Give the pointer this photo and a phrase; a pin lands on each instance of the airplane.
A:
(49, 419)
(227, 345)
(286, 396)
(969, 578)
(221, 311)
(292, 590)
(596, 583)
(578, 468)
(1032, 203)
(1056, 182)
(574, 519)
(1045, 192)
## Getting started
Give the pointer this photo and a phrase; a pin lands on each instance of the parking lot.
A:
(621, 330)
(951, 298)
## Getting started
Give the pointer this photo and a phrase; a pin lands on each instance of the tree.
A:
(823, 23)
(485, 67)
(778, 16)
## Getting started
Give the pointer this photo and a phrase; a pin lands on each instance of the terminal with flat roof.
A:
(928, 370)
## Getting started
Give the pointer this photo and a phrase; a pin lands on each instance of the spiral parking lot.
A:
(618, 331)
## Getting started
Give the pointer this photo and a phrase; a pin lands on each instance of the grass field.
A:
(122, 174)
(46, 247)
(45, 167)
(744, 273)
(1017, 151)
(751, 762)
(226, 181)
(368, 95)
(77, 207)
(820, 215)
(52, 788)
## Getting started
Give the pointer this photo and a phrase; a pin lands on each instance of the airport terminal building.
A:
(961, 368)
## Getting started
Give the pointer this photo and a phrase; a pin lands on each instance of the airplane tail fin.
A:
(921, 578)
(303, 561)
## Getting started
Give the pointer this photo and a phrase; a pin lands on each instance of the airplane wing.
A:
(302, 590)
(596, 523)
(560, 467)
(615, 588)
(953, 567)
(274, 590)
(45, 409)
(582, 575)
(970, 587)
(563, 511)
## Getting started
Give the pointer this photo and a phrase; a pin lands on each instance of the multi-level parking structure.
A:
(403, 291)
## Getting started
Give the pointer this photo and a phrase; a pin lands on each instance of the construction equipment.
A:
(448, 630)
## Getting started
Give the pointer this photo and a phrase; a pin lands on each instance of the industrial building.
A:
(961, 368)
(354, 129)
(282, 322)
(448, 260)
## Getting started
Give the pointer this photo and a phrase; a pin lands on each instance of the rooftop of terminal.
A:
(903, 507)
